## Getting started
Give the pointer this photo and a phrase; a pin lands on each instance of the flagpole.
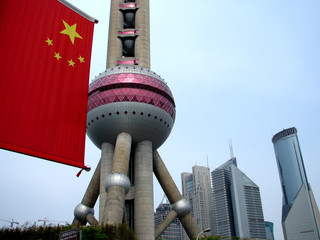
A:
(77, 10)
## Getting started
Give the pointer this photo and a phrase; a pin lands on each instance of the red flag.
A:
(45, 51)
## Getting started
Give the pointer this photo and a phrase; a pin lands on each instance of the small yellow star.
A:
(57, 56)
(81, 59)
(49, 41)
(70, 31)
(71, 63)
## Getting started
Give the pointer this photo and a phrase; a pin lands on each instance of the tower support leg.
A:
(115, 184)
(143, 185)
(165, 223)
(107, 151)
(173, 194)
(92, 193)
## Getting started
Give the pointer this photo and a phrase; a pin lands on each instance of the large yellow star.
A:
(70, 31)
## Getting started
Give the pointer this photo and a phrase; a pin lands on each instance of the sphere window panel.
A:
(118, 95)
(130, 78)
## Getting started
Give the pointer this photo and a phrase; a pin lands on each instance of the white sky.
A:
(238, 69)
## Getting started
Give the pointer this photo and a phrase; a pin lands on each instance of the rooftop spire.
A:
(231, 149)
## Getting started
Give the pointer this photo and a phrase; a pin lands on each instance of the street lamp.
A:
(203, 231)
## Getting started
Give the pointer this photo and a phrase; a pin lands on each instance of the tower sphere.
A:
(129, 99)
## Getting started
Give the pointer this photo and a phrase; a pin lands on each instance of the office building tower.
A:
(131, 112)
(237, 203)
(174, 230)
(222, 202)
(269, 230)
(196, 187)
(300, 214)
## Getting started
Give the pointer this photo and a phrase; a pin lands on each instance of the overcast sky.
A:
(238, 69)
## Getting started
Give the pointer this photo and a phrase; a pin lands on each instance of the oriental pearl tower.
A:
(131, 112)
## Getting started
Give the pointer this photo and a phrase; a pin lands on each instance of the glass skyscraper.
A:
(269, 230)
(236, 203)
(300, 214)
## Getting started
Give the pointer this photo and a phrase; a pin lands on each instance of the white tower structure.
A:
(131, 112)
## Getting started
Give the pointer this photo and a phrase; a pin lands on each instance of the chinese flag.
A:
(45, 51)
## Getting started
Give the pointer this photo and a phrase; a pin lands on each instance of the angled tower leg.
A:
(174, 196)
(143, 185)
(117, 183)
(107, 151)
(89, 199)
(165, 223)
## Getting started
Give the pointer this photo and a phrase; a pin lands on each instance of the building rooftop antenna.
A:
(231, 149)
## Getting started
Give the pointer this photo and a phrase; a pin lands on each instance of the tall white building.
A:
(196, 187)
(236, 203)
(300, 214)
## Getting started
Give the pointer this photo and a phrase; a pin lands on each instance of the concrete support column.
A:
(165, 223)
(114, 43)
(92, 220)
(116, 192)
(143, 185)
(92, 193)
(107, 151)
(173, 194)
(142, 43)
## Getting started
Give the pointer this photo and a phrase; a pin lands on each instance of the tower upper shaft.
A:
(129, 33)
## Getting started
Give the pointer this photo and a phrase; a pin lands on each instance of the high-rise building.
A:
(174, 230)
(269, 230)
(196, 187)
(222, 202)
(300, 214)
(237, 204)
(131, 112)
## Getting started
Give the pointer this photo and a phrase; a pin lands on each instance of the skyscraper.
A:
(300, 214)
(174, 230)
(237, 203)
(222, 202)
(269, 230)
(196, 187)
(131, 112)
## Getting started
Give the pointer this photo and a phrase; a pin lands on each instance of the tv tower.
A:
(131, 112)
